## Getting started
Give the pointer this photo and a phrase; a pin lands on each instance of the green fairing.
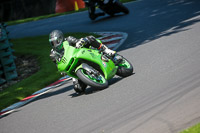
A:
(73, 57)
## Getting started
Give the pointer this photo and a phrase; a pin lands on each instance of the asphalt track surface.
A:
(162, 96)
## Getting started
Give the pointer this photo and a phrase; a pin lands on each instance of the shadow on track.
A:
(106, 18)
(155, 19)
(69, 87)
(63, 89)
(90, 90)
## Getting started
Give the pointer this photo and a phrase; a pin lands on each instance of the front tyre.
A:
(125, 68)
(92, 78)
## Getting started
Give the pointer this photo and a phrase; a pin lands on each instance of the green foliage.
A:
(50, 15)
(41, 17)
(40, 48)
(193, 129)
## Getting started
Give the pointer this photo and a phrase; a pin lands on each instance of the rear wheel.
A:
(92, 78)
(125, 68)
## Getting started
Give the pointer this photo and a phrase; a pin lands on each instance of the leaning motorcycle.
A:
(110, 7)
(92, 67)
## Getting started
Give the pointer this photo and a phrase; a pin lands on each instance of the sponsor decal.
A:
(104, 64)
(64, 60)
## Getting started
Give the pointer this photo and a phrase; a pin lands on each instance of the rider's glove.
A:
(81, 43)
(55, 56)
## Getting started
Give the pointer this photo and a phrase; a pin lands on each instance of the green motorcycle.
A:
(92, 67)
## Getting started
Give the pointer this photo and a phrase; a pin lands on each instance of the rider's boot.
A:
(108, 51)
(116, 58)
(79, 86)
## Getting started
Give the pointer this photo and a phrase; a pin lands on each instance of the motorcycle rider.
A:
(56, 39)
(91, 4)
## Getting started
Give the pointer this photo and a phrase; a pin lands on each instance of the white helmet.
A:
(56, 38)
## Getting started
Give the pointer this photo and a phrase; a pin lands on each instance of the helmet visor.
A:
(54, 42)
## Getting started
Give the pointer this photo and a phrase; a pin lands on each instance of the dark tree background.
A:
(19, 9)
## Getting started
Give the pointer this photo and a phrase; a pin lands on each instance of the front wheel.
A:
(92, 78)
(125, 68)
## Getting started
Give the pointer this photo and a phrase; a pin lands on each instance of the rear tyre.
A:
(125, 68)
(92, 78)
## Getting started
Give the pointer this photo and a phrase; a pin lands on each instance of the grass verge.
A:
(50, 15)
(41, 17)
(40, 48)
(193, 129)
